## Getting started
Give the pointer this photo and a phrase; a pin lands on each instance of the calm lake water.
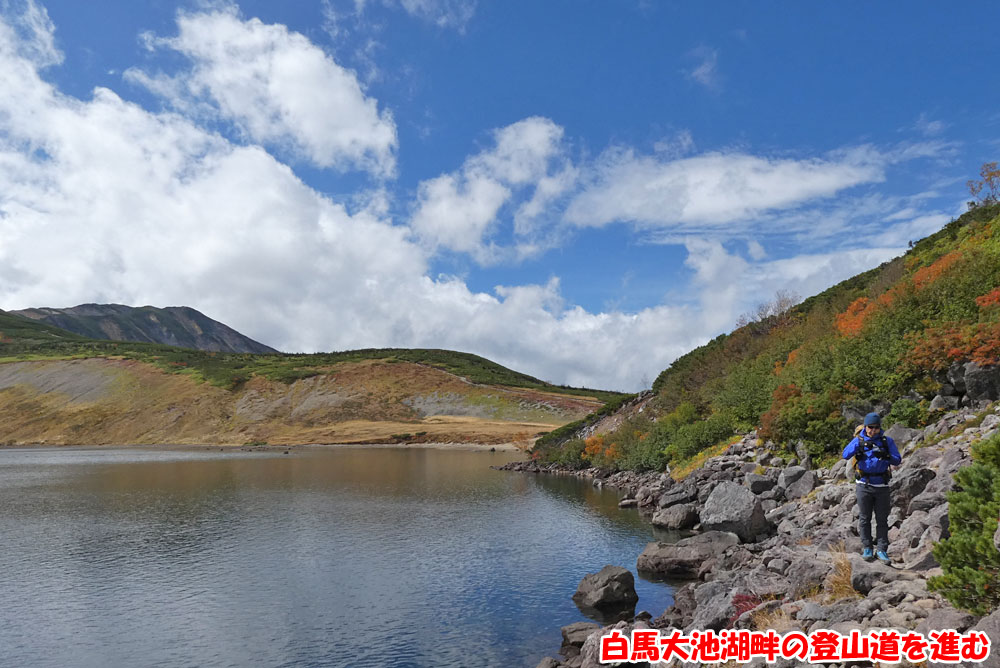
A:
(324, 557)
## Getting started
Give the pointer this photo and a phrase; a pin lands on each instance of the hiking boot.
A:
(867, 554)
(883, 557)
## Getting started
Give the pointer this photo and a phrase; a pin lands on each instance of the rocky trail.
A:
(775, 544)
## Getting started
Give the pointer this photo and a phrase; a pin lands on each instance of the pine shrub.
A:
(969, 559)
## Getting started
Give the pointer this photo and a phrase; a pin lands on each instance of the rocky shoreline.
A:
(775, 543)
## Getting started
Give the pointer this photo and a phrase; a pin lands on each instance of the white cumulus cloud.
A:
(459, 210)
(277, 87)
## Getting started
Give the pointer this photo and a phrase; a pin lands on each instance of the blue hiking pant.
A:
(875, 499)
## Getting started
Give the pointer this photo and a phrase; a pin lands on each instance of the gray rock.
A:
(856, 411)
(686, 558)
(548, 662)
(590, 652)
(802, 452)
(613, 587)
(713, 606)
(679, 517)
(943, 403)
(790, 475)
(812, 612)
(945, 618)
(807, 572)
(901, 434)
(805, 484)
(982, 382)
(575, 634)
(734, 508)
(680, 494)
(926, 501)
(834, 495)
(910, 530)
(906, 484)
(758, 484)
(990, 422)
(990, 625)
(778, 566)
(956, 376)
(866, 575)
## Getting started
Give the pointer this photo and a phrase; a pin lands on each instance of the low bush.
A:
(969, 559)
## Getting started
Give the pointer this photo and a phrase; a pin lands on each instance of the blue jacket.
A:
(874, 455)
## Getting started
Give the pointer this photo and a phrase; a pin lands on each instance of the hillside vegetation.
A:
(22, 339)
(61, 388)
(801, 375)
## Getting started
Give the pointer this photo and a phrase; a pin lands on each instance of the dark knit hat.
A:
(872, 419)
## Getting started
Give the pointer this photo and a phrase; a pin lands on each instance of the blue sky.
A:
(579, 190)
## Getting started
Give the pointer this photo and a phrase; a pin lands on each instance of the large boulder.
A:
(590, 653)
(925, 501)
(807, 572)
(679, 494)
(733, 508)
(856, 411)
(611, 588)
(982, 382)
(758, 484)
(943, 403)
(574, 635)
(956, 377)
(908, 483)
(714, 607)
(945, 618)
(680, 517)
(805, 484)
(990, 625)
(901, 434)
(686, 558)
(790, 475)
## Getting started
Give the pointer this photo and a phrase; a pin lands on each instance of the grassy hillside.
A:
(97, 400)
(884, 337)
(22, 339)
(58, 387)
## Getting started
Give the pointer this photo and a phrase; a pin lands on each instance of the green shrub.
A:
(969, 559)
(745, 393)
(907, 412)
(569, 454)
(636, 449)
(691, 439)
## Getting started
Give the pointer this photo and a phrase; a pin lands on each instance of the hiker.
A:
(874, 452)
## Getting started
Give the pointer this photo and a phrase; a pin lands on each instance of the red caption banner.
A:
(742, 646)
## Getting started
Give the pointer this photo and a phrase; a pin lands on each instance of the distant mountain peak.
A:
(180, 326)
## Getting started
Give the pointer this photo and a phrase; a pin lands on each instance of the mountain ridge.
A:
(180, 326)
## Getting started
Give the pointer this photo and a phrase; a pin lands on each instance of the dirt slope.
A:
(111, 401)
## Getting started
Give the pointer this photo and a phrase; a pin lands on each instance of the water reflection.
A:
(321, 558)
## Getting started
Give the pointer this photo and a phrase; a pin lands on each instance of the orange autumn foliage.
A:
(593, 446)
(936, 348)
(927, 275)
(991, 298)
(779, 366)
(851, 321)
